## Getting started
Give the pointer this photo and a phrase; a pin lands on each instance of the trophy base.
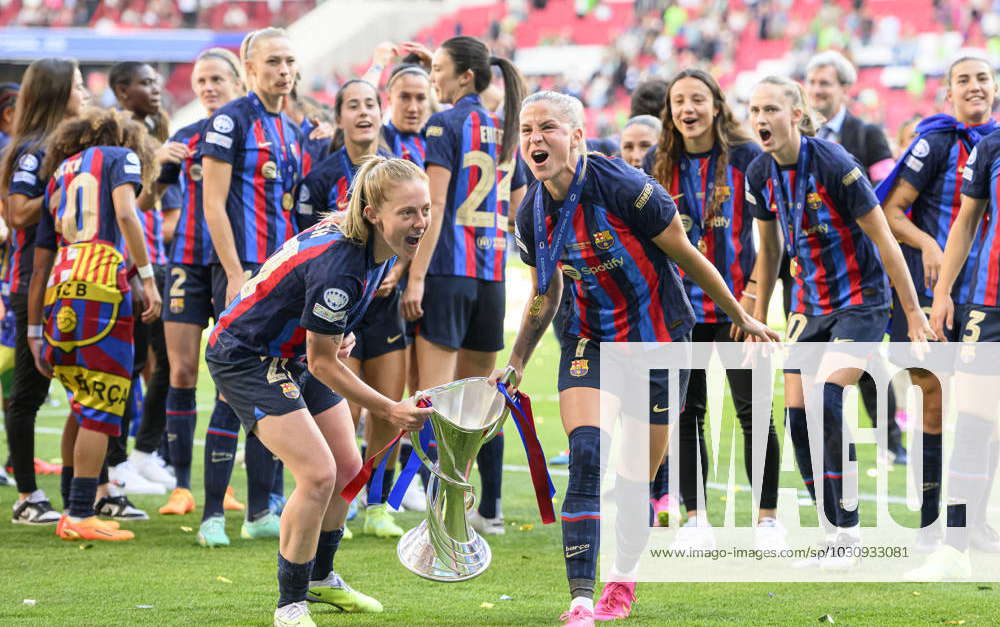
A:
(465, 560)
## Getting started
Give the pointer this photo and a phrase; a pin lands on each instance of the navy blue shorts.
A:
(898, 329)
(265, 386)
(976, 323)
(463, 312)
(220, 283)
(188, 295)
(580, 367)
(854, 324)
(382, 329)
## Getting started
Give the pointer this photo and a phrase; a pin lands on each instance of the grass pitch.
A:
(164, 578)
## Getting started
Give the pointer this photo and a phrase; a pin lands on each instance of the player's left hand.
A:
(920, 332)
(942, 316)
(172, 152)
(35, 344)
(346, 346)
(749, 303)
(323, 130)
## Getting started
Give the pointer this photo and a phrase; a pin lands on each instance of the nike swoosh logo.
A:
(393, 338)
(659, 410)
(221, 457)
(264, 145)
(575, 553)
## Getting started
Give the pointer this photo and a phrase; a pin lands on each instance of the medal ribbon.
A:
(790, 210)
(520, 409)
(698, 208)
(547, 256)
(285, 161)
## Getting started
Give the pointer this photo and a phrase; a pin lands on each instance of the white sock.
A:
(854, 532)
(139, 456)
(584, 601)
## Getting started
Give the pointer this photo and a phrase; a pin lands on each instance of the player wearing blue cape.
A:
(921, 199)
(277, 355)
(617, 234)
(812, 194)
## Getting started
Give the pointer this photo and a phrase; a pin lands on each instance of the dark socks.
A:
(490, 460)
(293, 581)
(182, 412)
(660, 484)
(798, 429)
(65, 485)
(772, 454)
(260, 475)
(631, 538)
(383, 493)
(969, 476)
(931, 502)
(581, 515)
(221, 439)
(833, 462)
(326, 549)
(82, 493)
(692, 457)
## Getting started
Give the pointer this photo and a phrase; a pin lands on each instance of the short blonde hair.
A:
(375, 179)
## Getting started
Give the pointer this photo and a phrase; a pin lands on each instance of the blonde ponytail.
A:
(372, 184)
(811, 120)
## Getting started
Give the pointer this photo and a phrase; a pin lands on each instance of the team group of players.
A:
(322, 262)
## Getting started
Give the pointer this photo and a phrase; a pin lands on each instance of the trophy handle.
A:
(418, 448)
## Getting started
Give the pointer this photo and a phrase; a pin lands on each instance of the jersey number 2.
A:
(466, 214)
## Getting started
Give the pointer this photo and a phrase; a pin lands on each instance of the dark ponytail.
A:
(469, 53)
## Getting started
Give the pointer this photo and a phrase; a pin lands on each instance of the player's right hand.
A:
(35, 344)
(413, 298)
(942, 315)
(932, 257)
(153, 301)
(234, 283)
(407, 416)
(172, 152)
(513, 373)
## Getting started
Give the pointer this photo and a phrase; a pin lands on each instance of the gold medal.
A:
(269, 170)
(793, 268)
(195, 172)
(536, 305)
(702, 246)
(287, 201)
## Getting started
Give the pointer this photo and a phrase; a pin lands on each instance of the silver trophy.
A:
(444, 547)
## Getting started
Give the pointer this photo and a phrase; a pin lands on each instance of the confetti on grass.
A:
(30, 602)
(187, 529)
(826, 619)
(223, 579)
(486, 605)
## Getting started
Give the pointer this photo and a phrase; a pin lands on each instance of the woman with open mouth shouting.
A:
(841, 251)
(702, 159)
(617, 234)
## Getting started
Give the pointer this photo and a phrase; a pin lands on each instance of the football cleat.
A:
(929, 539)
(132, 482)
(92, 528)
(230, 504)
(267, 526)
(984, 538)
(486, 526)
(148, 466)
(414, 500)
(181, 502)
(348, 534)
(562, 459)
(379, 522)
(35, 510)
(119, 508)
(578, 616)
(212, 532)
(616, 601)
(843, 554)
(694, 535)
(43, 467)
(769, 535)
(663, 508)
(293, 615)
(4, 479)
(946, 562)
(335, 591)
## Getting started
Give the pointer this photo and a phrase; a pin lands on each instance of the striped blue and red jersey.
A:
(313, 150)
(625, 289)
(324, 190)
(152, 224)
(79, 206)
(257, 144)
(24, 180)
(466, 140)
(409, 146)
(726, 236)
(318, 281)
(934, 168)
(835, 265)
(192, 244)
(981, 179)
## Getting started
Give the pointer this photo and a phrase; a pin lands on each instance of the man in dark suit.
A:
(829, 75)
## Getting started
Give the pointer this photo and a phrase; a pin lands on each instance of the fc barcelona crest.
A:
(723, 193)
(579, 367)
(814, 201)
(176, 305)
(289, 389)
(604, 239)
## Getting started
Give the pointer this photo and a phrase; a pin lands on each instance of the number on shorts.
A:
(276, 370)
(796, 325)
(972, 328)
(466, 214)
(86, 187)
(180, 275)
